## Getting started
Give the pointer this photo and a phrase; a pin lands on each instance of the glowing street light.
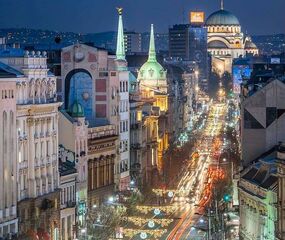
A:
(111, 199)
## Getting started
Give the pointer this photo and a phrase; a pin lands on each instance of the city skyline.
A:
(99, 16)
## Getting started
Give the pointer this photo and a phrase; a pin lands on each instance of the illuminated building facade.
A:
(137, 132)
(122, 176)
(258, 198)
(73, 132)
(8, 167)
(183, 93)
(226, 41)
(102, 151)
(68, 176)
(98, 81)
(280, 226)
(36, 143)
(154, 89)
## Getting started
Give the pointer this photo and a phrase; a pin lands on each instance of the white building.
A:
(8, 164)
(226, 41)
(68, 176)
(123, 170)
(37, 141)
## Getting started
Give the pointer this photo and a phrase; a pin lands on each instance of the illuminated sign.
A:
(197, 17)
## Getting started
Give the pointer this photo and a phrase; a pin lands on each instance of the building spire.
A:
(222, 4)
(120, 51)
(151, 53)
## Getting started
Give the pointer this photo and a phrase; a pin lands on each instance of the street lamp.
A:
(111, 199)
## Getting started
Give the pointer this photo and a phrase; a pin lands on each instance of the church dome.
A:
(152, 71)
(76, 110)
(152, 74)
(222, 17)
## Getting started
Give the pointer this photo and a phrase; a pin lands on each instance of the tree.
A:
(103, 221)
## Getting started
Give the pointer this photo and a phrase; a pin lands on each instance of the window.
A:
(103, 74)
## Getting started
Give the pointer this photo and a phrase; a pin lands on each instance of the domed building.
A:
(153, 89)
(226, 41)
(151, 74)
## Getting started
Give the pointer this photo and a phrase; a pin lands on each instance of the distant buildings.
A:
(188, 42)
(179, 41)
(183, 92)
(133, 42)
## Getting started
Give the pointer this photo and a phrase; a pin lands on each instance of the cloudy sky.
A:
(85, 16)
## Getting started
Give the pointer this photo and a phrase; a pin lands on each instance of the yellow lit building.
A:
(154, 88)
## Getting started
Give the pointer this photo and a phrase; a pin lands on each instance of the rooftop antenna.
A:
(222, 4)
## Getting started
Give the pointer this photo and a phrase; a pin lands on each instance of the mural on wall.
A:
(81, 90)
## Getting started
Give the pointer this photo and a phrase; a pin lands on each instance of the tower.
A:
(122, 174)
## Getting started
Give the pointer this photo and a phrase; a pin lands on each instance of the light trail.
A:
(197, 182)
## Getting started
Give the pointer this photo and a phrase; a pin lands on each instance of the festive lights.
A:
(139, 221)
(155, 233)
(165, 209)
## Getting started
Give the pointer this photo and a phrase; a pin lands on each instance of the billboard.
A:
(197, 17)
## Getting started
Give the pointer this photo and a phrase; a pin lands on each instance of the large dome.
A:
(152, 70)
(222, 17)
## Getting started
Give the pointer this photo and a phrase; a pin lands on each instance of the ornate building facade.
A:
(68, 176)
(8, 164)
(36, 148)
(99, 82)
(258, 198)
(154, 88)
(226, 41)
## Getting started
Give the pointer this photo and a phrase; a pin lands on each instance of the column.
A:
(98, 175)
(31, 158)
(1, 161)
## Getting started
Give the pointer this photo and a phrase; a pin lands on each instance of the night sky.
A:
(87, 16)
